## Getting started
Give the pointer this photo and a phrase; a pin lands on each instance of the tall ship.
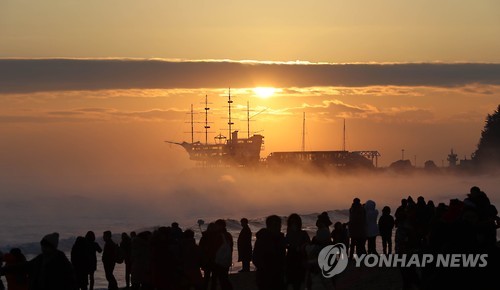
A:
(245, 152)
(225, 151)
(235, 151)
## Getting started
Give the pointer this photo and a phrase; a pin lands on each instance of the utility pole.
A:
(303, 131)
(343, 139)
(248, 119)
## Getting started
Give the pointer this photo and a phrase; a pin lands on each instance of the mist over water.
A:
(31, 208)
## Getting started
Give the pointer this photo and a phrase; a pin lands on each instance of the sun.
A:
(264, 92)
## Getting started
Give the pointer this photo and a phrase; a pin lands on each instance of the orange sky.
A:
(90, 90)
(123, 130)
(107, 111)
(320, 30)
(73, 116)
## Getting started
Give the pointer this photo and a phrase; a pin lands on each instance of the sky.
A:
(413, 75)
(90, 90)
(317, 31)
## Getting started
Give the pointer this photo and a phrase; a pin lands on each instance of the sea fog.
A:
(71, 206)
(29, 209)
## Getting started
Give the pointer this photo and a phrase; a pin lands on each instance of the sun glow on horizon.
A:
(264, 92)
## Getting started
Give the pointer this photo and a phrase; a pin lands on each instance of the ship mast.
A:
(192, 124)
(230, 123)
(206, 119)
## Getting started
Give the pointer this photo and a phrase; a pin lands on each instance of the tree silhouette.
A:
(488, 149)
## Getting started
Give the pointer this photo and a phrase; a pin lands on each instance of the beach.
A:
(353, 278)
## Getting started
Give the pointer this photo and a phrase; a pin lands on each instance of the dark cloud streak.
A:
(32, 75)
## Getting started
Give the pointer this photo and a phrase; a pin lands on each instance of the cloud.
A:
(93, 114)
(479, 89)
(32, 75)
(404, 115)
(150, 115)
(467, 117)
(332, 109)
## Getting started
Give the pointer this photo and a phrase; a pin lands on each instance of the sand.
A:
(353, 278)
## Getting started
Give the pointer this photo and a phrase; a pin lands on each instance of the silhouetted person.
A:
(49, 270)
(223, 256)
(340, 234)
(208, 246)
(245, 246)
(406, 241)
(165, 259)
(92, 249)
(323, 224)
(80, 261)
(141, 261)
(400, 214)
(2, 286)
(16, 280)
(385, 226)
(325, 219)
(479, 198)
(431, 213)
(269, 255)
(422, 220)
(411, 215)
(191, 262)
(109, 257)
(371, 226)
(296, 259)
(176, 232)
(126, 248)
(357, 228)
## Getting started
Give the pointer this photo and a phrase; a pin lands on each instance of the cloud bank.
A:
(32, 75)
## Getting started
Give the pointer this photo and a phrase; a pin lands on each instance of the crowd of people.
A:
(169, 258)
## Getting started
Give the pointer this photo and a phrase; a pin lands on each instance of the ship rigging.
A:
(232, 151)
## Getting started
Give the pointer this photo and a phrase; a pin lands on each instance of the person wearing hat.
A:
(19, 280)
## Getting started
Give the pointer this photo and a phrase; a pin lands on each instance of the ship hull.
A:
(239, 152)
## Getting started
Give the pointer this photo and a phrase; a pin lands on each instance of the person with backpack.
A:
(110, 255)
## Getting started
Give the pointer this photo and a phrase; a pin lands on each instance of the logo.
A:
(422, 260)
(332, 260)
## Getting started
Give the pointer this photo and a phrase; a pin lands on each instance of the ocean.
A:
(233, 226)
(28, 211)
